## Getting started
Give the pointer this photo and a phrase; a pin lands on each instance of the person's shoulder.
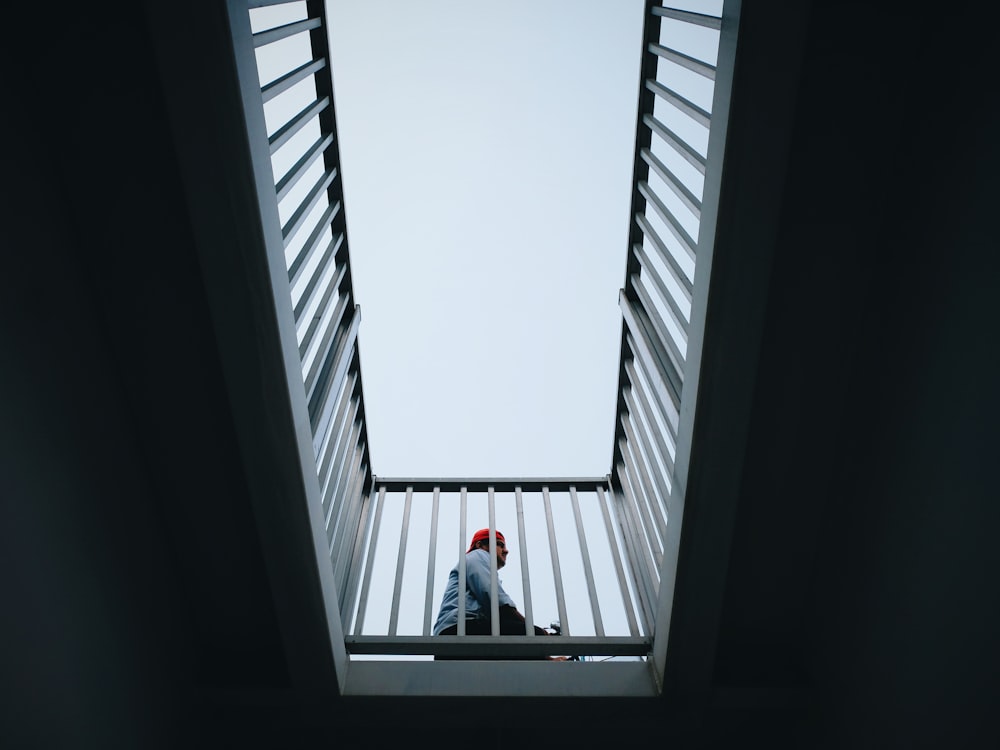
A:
(478, 555)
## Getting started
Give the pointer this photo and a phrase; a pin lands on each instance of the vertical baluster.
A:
(525, 580)
(556, 570)
(651, 489)
(400, 562)
(616, 559)
(633, 544)
(461, 563)
(595, 607)
(431, 555)
(354, 571)
(355, 495)
(494, 577)
(634, 492)
(369, 564)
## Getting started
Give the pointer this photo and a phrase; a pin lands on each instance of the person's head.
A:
(481, 540)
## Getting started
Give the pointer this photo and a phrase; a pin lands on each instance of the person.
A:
(477, 595)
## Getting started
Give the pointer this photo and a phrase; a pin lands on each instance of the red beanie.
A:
(484, 535)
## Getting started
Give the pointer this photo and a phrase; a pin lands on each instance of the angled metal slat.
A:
(686, 61)
(285, 82)
(699, 19)
(678, 144)
(692, 110)
(282, 135)
(283, 32)
(297, 170)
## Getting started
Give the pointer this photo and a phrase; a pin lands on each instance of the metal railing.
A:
(673, 126)
(602, 582)
(574, 572)
(296, 97)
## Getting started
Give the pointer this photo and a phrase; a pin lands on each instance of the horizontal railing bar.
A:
(262, 38)
(686, 106)
(317, 191)
(673, 182)
(318, 273)
(530, 484)
(312, 242)
(282, 135)
(285, 82)
(648, 269)
(659, 325)
(685, 240)
(500, 645)
(700, 19)
(296, 172)
(678, 144)
(686, 285)
(685, 61)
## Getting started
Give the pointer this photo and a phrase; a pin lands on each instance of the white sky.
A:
(487, 156)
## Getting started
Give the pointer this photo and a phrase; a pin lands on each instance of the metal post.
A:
(556, 570)
(652, 489)
(461, 564)
(400, 562)
(529, 623)
(641, 492)
(494, 578)
(369, 563)
(431, 555)
(644, 433)
(347, 602)
(617, 560)
(644, 590)
(595, 606)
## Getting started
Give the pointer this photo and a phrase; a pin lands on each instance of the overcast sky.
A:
(487, 155)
